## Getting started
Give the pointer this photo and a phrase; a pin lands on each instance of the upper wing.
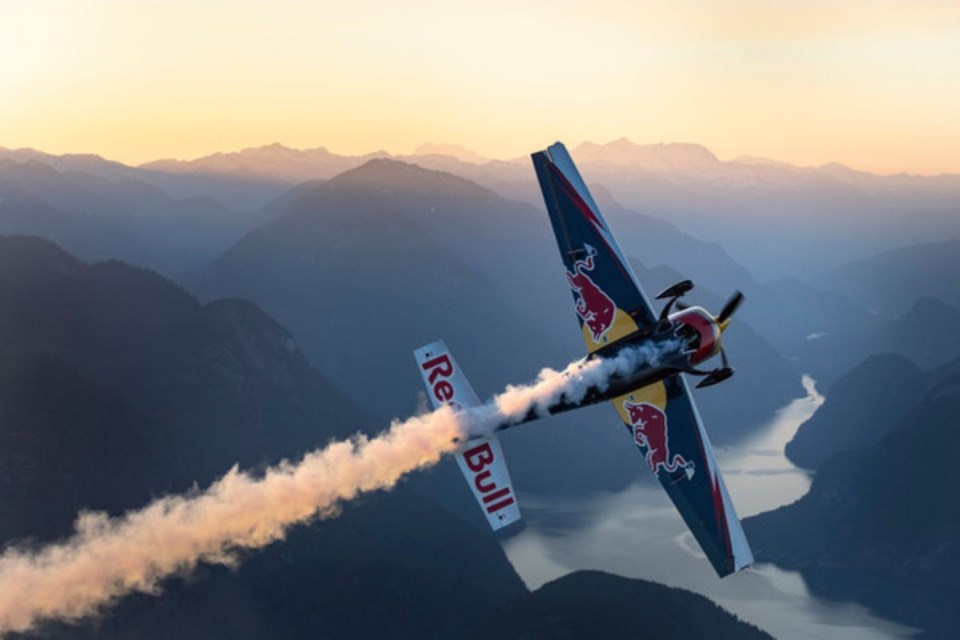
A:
(667, 428)
(609, 301)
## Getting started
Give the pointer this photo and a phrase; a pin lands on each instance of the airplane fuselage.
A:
(672, 355)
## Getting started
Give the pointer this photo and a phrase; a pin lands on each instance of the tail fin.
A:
(481, 459)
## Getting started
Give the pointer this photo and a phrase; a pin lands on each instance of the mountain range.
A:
(861, 407)
(880, 523)
(389, 256)
(118, 217)
(117, 386)
(307, 277)
(745, 203)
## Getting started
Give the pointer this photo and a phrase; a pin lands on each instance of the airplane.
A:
(652, 399)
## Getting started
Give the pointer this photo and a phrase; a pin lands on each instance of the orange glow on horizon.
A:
(874, 85)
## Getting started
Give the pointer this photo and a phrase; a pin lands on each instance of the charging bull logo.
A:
(594, 307)
(651, 432)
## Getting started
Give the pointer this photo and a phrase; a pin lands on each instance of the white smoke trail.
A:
(107, 558)
(573, 382)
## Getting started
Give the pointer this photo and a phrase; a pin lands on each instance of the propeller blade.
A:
(728, 309)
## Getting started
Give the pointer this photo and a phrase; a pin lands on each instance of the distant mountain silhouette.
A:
(87, 163)
(240, 192)
(808, 324)
(593, 604)
(894, 280)
(273, 161)
(928, 334)
(126, 219)
(36, 199)
(674, 157)
(827, 332)
(821, 329)
(226, 382)
(450, 150)
(187, 238)
(881, 524)
(861, 407)
(747, 205)
(750, 207)
(656, 242)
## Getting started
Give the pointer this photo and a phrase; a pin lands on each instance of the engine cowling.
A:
(700, 330)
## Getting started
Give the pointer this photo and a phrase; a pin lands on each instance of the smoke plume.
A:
(106, 557)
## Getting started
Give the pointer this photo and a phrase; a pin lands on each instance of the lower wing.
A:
(667, 428)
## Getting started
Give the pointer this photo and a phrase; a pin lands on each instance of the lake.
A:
(637, 533)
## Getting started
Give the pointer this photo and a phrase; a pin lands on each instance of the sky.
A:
(874, 84)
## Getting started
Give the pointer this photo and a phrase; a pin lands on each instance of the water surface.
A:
(637, 533)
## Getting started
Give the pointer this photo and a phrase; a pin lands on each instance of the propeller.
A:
(728, 309)
(723, 319)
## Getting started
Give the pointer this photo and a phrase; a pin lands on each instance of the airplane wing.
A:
(666, 426)
(481, 459)
(662, 418)
(609, 300)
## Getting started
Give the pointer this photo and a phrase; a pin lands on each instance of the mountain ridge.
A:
(116, 387)
(876, 525)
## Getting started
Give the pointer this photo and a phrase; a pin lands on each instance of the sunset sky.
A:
(871, 83)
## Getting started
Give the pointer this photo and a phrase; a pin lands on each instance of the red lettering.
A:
(478, 457)
(439, 366)
(500, 505)
(496, 494)
(443, 391)
(478, 481)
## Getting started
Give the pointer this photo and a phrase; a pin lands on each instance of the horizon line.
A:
(486, 159)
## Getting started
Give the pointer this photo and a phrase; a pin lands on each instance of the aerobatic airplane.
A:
(653, 400)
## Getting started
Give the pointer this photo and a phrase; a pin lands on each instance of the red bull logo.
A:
(594, 307)
(650, 431)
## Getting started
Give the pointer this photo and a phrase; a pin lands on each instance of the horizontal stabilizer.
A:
(480, 459)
